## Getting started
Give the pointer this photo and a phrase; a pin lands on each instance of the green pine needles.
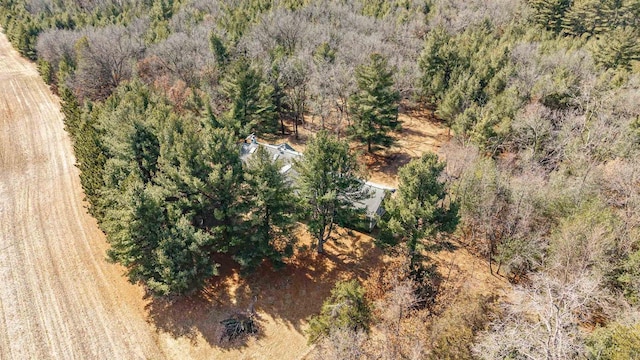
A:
(374, 107)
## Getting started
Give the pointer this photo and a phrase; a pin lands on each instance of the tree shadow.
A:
(388, 164)
(412, 131)
(443, 245)
(286, 297)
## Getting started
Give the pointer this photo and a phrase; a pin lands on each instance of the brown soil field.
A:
(59, 298)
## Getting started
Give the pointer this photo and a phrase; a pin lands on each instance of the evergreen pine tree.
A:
(133, 223)
(130, 122)
(375, 106)
(346, 308)
(219, 50)
(270, 213)
(418, 210)
(328, 185)
(90, 160)
(182, 258)
(89, 152)
(251, 108)
(169, 190)
(618, 48)
(159, 14)
(200, 173)
(550, 13)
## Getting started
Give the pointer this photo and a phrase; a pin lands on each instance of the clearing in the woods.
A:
(60, 298)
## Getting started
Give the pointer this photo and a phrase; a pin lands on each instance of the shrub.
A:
(345, 309)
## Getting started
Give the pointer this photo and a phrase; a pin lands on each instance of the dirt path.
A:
(59, 298)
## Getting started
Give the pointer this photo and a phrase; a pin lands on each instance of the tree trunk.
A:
(321, 233)
(489, 238)
(490, 256)
(276, 90)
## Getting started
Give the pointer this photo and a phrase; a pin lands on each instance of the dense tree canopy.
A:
(541, 97)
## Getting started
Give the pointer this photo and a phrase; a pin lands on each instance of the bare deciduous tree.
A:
(55, 46)
(295, 77)
(544, 320)
(456, 15)
(184, 56)
(397, 340)
(343, 344)
(105, 58)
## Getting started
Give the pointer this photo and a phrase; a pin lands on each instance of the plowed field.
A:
(59, 298)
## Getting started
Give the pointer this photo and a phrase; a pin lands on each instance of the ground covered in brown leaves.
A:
(285, 299)
(420, 132)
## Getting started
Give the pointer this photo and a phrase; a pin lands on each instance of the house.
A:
(283, 152)
(286, 154)
(373, 205)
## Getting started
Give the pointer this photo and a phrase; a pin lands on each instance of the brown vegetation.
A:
(285, 299)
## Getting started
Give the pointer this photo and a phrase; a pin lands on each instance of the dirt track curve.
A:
(59, 298)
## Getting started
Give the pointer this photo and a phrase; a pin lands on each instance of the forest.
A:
(540, 179)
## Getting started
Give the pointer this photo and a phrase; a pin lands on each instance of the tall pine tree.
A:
(133, 223)
(419, 210)
(270, 211)
(618, 48)
(375, 105)
(89, 152)
(550, 13)
(252, 109)
(200, 172)
(328, 184)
